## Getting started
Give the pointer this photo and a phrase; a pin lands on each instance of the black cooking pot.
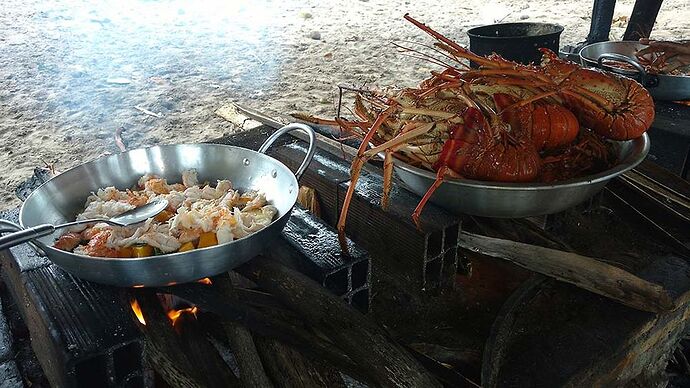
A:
(517, 42)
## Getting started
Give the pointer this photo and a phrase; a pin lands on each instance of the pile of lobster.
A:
(502, 122)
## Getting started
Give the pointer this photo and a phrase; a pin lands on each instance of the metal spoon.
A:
(130, 217)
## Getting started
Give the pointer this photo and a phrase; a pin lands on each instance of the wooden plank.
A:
(584, 272)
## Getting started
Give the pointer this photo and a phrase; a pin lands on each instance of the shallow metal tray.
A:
(517, 200)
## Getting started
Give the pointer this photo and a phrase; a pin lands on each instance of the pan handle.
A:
(291, 127)
(24, 235)
(9, 226)
(626, 59)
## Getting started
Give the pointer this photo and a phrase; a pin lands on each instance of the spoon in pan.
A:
(130, 217)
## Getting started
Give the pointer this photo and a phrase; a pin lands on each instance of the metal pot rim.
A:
(473, 34)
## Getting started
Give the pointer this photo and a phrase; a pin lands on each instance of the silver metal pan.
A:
(60, 199)
(661, 86)
(517, 200)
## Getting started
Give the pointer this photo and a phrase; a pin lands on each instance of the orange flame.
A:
(206, 281)
(137, 311)
(175, 314)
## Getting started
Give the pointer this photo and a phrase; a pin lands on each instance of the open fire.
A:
(172, 313)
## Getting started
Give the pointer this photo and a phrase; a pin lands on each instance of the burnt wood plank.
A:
(6, 343)
(420, 259)
(251, 139)
(424, 259)
(311, 247)
(79, 330)
(324, 174)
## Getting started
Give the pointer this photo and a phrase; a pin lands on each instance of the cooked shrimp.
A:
(192, 210)
(68, 241)
(189, 178)
(98, 246)
(157, 186)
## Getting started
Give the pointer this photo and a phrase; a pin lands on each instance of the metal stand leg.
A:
(642, 19)
(602, 16)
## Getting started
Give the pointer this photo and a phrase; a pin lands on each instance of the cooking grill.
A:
(420, 277)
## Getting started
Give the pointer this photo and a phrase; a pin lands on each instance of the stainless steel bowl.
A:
(517, 200)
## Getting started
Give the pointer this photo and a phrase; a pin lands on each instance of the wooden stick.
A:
(584, 272)
(365, 342)
(148, 112)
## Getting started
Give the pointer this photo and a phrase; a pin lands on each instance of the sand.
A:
(72, 72)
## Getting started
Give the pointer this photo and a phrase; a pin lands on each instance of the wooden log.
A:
(587, 340)
(287, 367)
(365, 342)
(267, 323)
(163, 347)
(252, 373)
(584, 272)
(444, 374)
(204, 357)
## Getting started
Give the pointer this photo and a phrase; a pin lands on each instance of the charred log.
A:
(288, 368)
(584, 272)
(387, 362)
(162, 345)
(206, 360)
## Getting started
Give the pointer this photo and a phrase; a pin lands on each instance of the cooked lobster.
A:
(502, 122)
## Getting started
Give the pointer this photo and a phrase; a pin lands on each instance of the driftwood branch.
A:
(584, 272)
(365, 342)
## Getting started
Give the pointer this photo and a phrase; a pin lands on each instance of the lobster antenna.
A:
(443, 51)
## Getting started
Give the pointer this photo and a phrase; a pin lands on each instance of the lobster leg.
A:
(387, 178)
(355, 171)
(440, 175)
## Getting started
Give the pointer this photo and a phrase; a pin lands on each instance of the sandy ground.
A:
(72, 72)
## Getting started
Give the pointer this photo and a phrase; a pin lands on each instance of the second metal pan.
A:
(661, 86)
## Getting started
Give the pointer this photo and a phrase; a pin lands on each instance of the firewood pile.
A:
(281, 328)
